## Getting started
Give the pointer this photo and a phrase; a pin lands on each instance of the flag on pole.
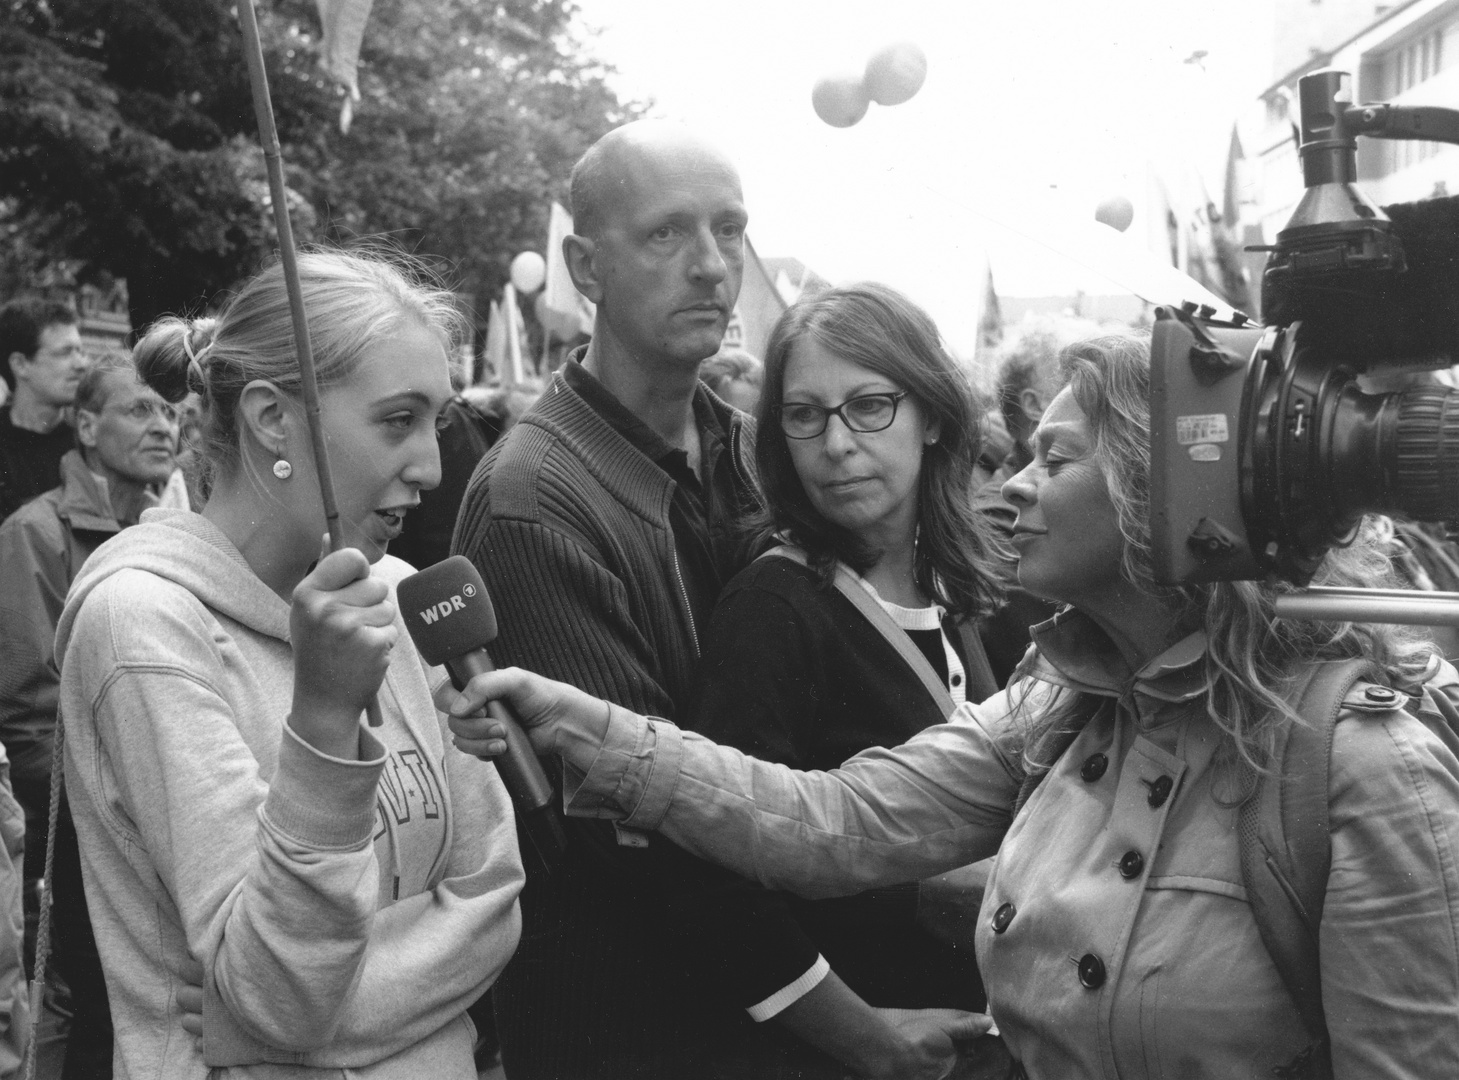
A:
(339, 48)
(568, 307)
(495, 353)
(516, 374)
(990, 322)
(759, 305)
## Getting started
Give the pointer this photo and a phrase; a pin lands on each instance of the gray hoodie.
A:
(340, 915)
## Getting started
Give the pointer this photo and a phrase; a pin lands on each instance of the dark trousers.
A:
(73, 945)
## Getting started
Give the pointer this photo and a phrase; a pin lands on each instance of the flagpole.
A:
(274, 165)
(268, 134)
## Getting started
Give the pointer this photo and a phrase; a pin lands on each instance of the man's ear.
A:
(17, 360)
(1032, 403)
(579, 253)
(266, 415)
(86, 428)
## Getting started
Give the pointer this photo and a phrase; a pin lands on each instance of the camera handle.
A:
(1343, 604)
(1429, 123)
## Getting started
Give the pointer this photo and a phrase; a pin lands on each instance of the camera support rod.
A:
(1333, 604)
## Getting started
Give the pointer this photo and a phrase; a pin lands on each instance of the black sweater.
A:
(793, 673)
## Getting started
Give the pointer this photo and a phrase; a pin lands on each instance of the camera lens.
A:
(1426, 468)
(1396, 452)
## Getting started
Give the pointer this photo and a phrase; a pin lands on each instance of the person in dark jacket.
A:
(42, 361)
(604, 527)
(127, 438)
(859, 626)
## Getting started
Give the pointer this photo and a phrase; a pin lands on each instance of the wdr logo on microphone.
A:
(439, 611)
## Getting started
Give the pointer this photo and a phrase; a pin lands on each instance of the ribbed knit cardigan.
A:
(635, 961)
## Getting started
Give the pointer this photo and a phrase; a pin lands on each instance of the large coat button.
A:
(1002, 917)
(1131, 864)
(1091, 971)
(1160, 789)
(1093, 768)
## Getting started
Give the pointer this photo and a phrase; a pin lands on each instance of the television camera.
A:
(1269, 443)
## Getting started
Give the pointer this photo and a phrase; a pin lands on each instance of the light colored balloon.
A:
(895, 73)
(1117, 212)
(529, 271)
(840, 100)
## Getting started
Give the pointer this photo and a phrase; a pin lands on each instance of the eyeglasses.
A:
(864, 414)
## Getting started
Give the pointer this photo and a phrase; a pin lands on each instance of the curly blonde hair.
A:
(1252, 657)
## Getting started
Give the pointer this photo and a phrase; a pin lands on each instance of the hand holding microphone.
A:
(451, 620)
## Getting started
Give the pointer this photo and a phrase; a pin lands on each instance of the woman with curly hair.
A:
(1117, 936)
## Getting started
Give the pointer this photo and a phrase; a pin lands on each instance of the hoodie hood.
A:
(188, 549)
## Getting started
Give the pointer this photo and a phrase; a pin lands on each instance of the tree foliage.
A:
(128, 142)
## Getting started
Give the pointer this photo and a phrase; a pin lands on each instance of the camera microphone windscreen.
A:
(1428, 294)
(1381, 316)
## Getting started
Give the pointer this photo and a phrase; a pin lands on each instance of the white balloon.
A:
(529, 271)
(1117, 212)
(895, 73)
(840, 100)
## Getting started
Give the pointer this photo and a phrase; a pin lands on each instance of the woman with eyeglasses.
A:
(857, 626)
(1139, 922)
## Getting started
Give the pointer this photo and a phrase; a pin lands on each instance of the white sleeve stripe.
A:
(789, 995)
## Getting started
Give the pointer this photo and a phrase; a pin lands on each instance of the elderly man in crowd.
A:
(42, 361)
(126, 440)
(603, 525)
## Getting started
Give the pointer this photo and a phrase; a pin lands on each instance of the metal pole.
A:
(268, 135)
(1336, 604)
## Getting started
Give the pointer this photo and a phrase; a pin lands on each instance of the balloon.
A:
(1117, 212)
(840, 100)
(529, 271)
(562, 325)
(895, 73)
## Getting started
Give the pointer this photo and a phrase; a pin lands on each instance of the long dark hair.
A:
(881, 330)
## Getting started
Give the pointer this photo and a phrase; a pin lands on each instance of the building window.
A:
(1409, 66)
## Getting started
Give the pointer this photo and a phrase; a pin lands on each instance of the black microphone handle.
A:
(520, 770)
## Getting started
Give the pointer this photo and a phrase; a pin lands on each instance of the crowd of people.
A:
(882, 752)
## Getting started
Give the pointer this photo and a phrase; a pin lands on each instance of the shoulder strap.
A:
(1286, 847)
(878, 617)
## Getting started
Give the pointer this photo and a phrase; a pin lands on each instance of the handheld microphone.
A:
(451, 620)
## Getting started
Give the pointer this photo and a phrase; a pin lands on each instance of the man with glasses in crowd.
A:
(124, 452)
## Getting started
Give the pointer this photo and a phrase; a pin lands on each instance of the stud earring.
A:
(282, 469)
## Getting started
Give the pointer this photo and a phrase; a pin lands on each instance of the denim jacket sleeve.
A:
(939, 801)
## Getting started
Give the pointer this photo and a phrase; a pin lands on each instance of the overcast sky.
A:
(1032, 112)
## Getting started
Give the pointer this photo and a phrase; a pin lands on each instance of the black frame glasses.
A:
(857, 425)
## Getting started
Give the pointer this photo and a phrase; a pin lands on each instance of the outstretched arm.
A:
(939, 801)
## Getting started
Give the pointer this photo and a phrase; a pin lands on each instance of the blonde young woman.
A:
(340, 893)
(1116, 937)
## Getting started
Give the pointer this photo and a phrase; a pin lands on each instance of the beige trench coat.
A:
(1115, 938)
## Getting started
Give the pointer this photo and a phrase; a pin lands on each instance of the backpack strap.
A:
(1286, 846)
(875, 614)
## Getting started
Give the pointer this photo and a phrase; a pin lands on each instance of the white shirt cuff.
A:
(789, 995)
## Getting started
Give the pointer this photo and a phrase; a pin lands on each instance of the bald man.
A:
(603, 524)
